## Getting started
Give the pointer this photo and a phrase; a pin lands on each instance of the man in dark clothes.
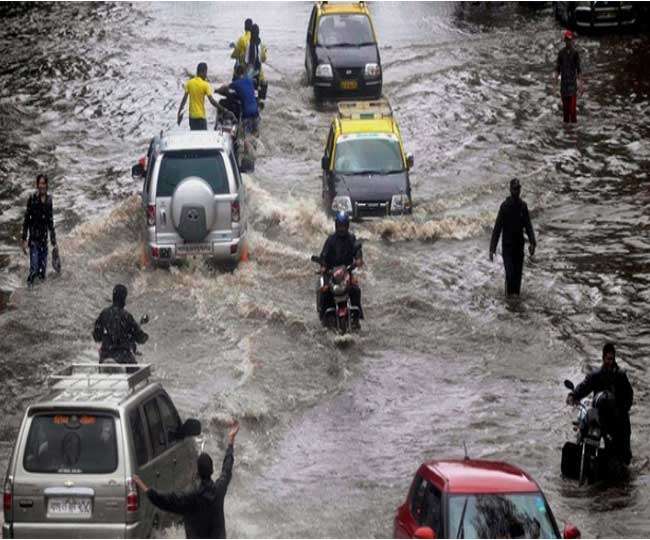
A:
(568, 69)
(341, 249)
(39, 219)
(202, 507)
(117, 330)
(513, 219)
(613, 380)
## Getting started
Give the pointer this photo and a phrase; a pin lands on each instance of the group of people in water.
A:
(117, 331)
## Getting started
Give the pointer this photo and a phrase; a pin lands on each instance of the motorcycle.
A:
(588, 458)
(342, 315)
(134, 348)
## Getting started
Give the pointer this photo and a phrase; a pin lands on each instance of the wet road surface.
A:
(333, 430)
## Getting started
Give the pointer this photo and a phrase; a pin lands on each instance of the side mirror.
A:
(144, 319)
(191, 428)
(409, 161)
(315, 258)
(569, 384)
(424, 532)
(324, 162)
(571, 531)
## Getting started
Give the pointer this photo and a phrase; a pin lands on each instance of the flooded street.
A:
(333, 430)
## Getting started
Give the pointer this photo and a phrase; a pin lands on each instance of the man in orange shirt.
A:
(198, 88)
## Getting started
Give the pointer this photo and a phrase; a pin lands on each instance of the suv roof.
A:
(482, 476)
(194, 140)
(327, 8)
(366, 117)
(107, 385)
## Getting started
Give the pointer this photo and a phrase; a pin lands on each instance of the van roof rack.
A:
(365, 110)
(100, 377)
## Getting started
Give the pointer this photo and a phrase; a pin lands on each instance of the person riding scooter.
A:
(117, 330)
(341, 249)
(613, 404)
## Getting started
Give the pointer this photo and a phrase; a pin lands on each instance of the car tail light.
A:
(235, 211)
(132, 498)
(8, 497)
(151, 215)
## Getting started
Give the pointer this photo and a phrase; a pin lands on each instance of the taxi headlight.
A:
(342, 204)
(372, 71)
(399, 203)
(324, 71)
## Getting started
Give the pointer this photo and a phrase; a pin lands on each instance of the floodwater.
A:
(334, 430)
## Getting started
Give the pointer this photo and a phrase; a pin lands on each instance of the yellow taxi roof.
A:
(374, 125)
(329, 8)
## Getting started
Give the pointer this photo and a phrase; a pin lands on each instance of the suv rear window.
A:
(178, 165)
(71, 443)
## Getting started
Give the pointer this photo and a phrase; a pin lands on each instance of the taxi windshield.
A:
(342, 30)
(500, 515)
(377, 154)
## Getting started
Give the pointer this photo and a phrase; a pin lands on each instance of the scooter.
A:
(587, 458)
(342, 314)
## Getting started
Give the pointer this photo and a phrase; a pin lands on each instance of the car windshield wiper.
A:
(461, 528)
(391, 171)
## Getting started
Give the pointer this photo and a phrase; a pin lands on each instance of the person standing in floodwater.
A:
(39, 220)
(512, 220)
(569, 72)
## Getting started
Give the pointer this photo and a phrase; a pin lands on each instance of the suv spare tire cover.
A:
(193, 208)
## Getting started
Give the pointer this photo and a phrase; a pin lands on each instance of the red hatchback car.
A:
(476, 499)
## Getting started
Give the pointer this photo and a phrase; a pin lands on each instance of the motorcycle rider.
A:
(341, 249)
(614, 406)
(117, 330)
(243, 88)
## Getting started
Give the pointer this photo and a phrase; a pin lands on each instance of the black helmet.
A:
(341, 223)
(119, 295)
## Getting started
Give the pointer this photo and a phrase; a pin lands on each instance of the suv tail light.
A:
(132, 498)
(235, 211)
(151, 215)
(8, 497)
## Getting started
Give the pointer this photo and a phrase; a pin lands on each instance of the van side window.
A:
(154, 422)
(139, 441)
(170, 419)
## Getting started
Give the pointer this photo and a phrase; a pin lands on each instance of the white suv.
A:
(193, 196)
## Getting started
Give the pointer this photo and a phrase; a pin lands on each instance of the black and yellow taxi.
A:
(342, 57)
(365, 166)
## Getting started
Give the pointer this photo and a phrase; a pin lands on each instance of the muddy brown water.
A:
(333, 430)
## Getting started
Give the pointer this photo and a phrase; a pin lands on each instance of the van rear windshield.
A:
(71, 443)
(178, 165)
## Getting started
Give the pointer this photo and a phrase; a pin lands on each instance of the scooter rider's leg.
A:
(355, 298)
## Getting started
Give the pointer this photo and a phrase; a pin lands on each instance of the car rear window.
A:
(71, 443)
(178, 165)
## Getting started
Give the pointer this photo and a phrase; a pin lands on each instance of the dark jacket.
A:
(512, 220)
(117, 330)
(339, 251)
(568, 66)
(39, 219)
(613, 380)
(201, 508)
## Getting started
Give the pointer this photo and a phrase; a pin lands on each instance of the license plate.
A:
(193, 249)
(349, 85)
(79, 507)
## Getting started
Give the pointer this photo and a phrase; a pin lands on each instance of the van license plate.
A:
(79, 507)
(193, 249)
(349, 85)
